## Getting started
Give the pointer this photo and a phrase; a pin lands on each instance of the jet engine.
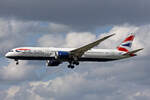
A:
(53, 62)
(62, 55)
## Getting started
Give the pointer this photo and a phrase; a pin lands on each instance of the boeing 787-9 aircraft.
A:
(56, 56)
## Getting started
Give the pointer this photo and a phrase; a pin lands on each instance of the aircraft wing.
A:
(80, 51)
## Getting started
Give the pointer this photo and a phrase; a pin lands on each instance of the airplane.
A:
(56, 56)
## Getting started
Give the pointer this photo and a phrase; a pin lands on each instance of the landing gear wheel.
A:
(73, 62)
(72, 67)
(69, 66)
(76, 62)
(17, 63)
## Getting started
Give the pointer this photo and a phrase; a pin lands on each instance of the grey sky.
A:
(79, 13)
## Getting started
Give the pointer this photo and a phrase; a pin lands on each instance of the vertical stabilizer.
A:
(126, 44)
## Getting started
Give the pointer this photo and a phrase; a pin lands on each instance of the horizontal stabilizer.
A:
(133, 52)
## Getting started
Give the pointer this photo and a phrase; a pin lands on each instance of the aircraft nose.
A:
(7, 55)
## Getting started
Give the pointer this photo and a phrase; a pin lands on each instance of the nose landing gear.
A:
(17, 62)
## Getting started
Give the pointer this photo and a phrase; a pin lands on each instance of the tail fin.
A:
(126, 44)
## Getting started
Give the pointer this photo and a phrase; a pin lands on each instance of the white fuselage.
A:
(48, 53)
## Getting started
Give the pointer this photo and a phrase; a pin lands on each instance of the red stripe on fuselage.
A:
(130, 38)
(23, 49)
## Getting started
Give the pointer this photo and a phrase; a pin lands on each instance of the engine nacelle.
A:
(62, 55)
(53, 63)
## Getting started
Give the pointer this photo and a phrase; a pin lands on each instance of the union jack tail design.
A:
(126, 44)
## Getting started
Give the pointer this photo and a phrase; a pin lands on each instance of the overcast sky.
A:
(79, 14)
(73, 23)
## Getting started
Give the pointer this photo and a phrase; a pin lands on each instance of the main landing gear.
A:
(72, 63)
(17, 62)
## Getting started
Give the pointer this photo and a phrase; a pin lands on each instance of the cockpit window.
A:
(11, 51)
